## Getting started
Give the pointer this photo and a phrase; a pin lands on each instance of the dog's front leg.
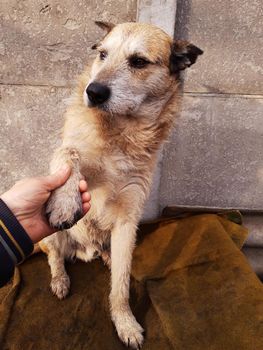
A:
(122, 245)
(64, 207)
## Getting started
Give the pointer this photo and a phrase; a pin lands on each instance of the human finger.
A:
(83, 186)
(86, 207)
(57, 179)
(85, 197)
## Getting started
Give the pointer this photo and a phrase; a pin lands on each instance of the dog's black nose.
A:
(97, 93)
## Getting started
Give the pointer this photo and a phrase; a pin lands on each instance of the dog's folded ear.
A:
(107, 26)
(183, 55)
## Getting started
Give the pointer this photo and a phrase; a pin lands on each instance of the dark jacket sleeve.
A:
(15, 244)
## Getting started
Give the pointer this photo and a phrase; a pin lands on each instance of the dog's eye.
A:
(138, 62)
(103, 55)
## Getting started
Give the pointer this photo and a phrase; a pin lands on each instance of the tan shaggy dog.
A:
(121, 112)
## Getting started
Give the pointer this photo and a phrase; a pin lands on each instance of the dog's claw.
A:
(129, 331)
(134, 345)
(96, 254)
(60, 286)
(65, 225)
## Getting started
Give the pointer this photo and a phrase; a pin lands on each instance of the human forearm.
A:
(15, 244)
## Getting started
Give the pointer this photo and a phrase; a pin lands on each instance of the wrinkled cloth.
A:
(191, 289)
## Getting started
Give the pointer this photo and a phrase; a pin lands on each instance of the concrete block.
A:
(49, 42)
(31, 120)
(255, 259)
(254, 223)
(231, 34)
(214, 157)
(158, 12)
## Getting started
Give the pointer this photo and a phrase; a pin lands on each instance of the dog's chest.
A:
(113, 168)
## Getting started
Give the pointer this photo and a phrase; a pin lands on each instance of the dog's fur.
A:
(114, 146)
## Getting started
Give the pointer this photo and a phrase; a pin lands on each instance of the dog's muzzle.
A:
(97, 93)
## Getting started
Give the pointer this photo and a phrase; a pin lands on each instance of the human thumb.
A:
(58, 179)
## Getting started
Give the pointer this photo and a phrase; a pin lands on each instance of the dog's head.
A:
(136, 64)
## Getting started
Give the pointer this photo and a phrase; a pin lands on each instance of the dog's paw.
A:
(60, 286)
(129, 330)
(64, 207)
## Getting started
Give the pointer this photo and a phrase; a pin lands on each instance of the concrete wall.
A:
(44, 45)
(215, 157)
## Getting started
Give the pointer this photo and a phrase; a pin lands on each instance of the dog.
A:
(120, 113)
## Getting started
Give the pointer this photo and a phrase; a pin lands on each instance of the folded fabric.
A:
(192, 288)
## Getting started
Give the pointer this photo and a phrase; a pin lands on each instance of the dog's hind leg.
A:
(58, 247)
(60, 282)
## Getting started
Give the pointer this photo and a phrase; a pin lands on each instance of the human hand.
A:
(27, 198)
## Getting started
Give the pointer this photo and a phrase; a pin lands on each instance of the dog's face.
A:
(136, 64)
